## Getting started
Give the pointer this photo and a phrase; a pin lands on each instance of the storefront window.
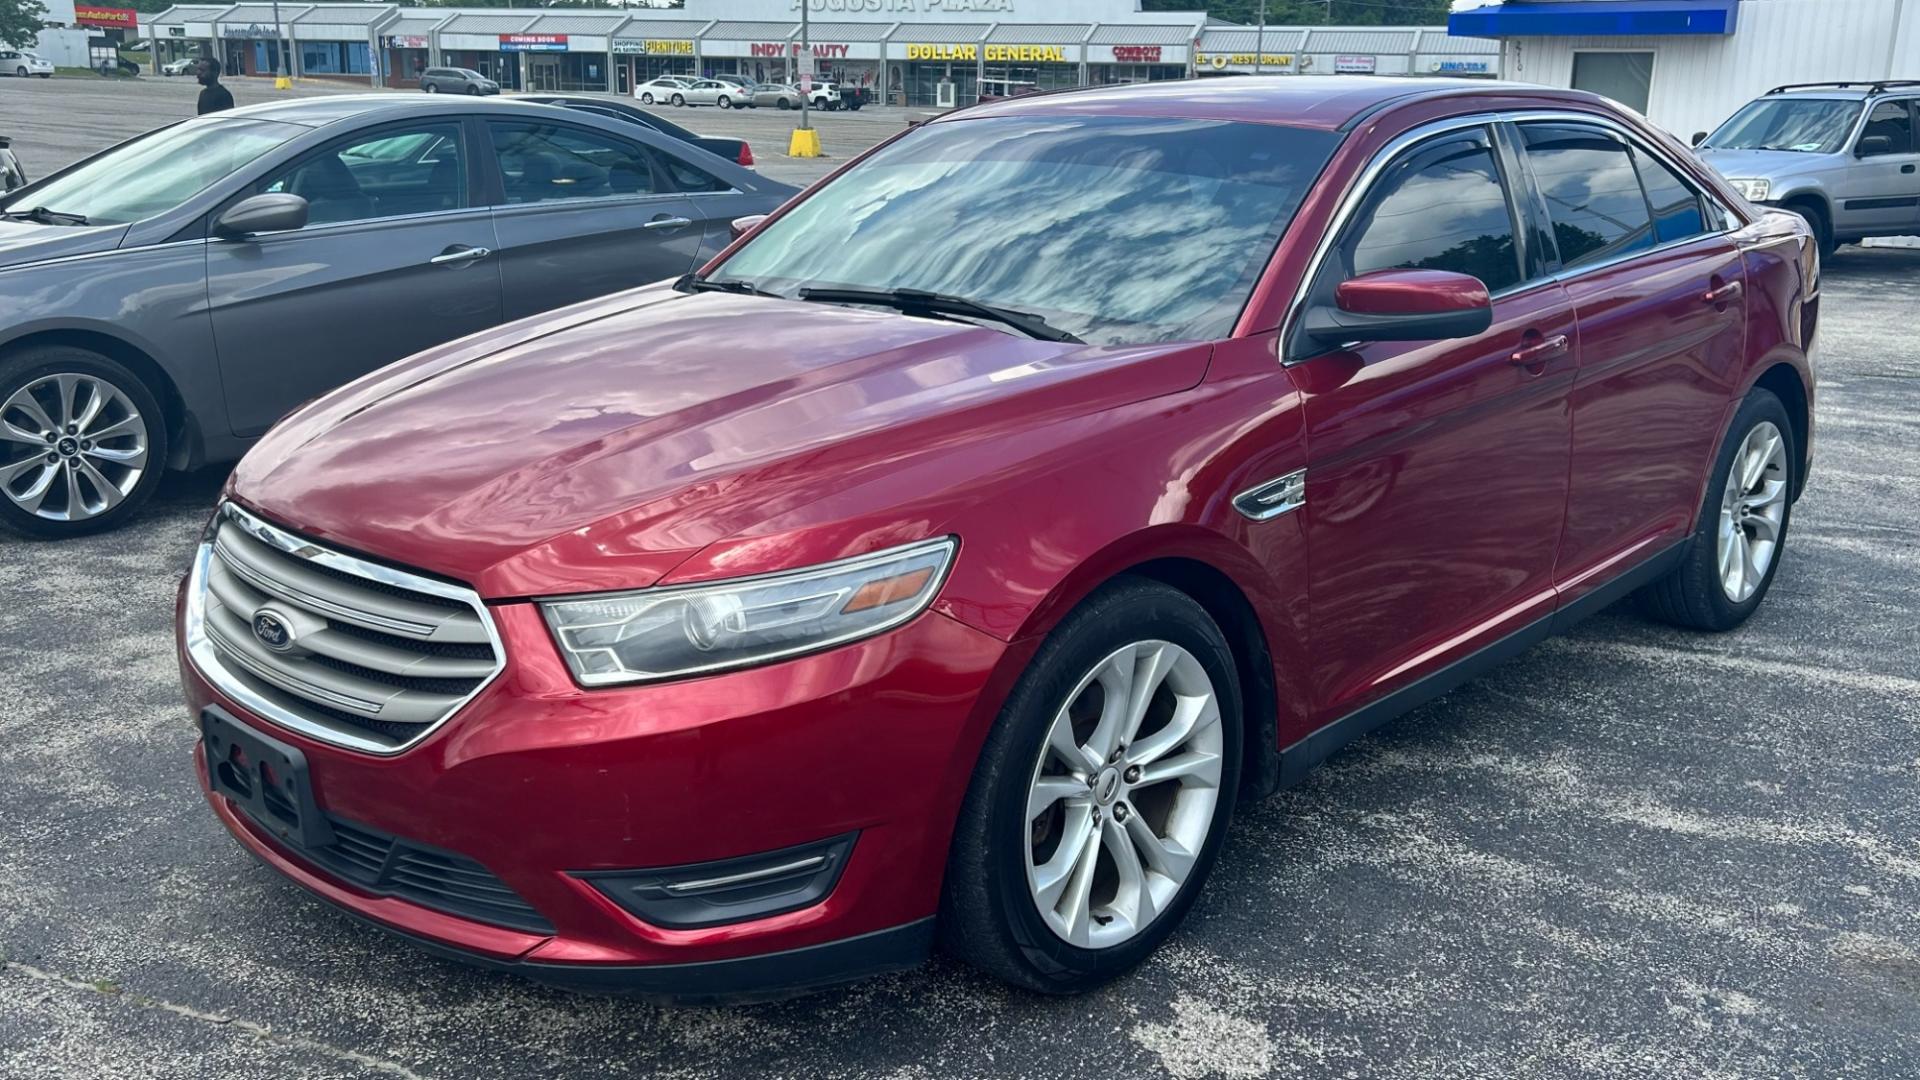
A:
(923, 83)
(1011, 80)
(1626, 77)
(1113, 74)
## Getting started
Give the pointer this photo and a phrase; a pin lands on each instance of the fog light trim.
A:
(726, 891)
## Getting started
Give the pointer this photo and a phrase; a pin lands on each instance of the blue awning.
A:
(1596, 18)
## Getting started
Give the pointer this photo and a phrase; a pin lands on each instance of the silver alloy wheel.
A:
(72, 447)
(1123, 794)
(1752, 511)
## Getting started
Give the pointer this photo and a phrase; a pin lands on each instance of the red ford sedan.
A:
(944, 562)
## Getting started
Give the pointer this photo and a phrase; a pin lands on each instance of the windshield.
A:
(1808, 125)
(1114, 229)
(156, 172)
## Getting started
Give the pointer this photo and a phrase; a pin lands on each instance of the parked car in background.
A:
(182, 66)
(12, 174)
(825, 96)
(22, 64)
(734, 150)
(457, 80)
(1844, 155)
(706, 92)
(661, 90)
(756, 631)
(277, 251)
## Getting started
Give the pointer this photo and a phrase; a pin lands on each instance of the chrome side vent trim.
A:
(1273, 498)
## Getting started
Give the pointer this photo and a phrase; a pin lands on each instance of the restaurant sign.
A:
(533, 43)
(1223, 61)
(1354, 65)
(406, 41)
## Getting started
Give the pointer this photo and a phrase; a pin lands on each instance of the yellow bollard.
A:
(281, 82)
(805, 143)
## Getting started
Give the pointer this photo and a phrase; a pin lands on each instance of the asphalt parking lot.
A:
(57, 121)
(1630, 852)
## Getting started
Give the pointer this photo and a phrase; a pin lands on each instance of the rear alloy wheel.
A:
(725, 102)
(646, 99)
(81, 442)
(679, 100)
(1738, 544)
(431, 89)
(1101, 797)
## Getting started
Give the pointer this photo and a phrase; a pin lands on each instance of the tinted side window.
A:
(686, 177)
(1676, 207)
(1442, 207)
(541, 162)
(386, 173)
(1592, 192)
(1892, 120)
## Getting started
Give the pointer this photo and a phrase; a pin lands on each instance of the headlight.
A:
(1752, 190)
(673, 632)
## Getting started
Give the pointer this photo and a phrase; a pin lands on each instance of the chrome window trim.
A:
(1388, 154)
(329, 226)
(207, 662)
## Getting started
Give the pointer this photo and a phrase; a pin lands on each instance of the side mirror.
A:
(743, 225)
(1871, 145)
(1403, 305)
(1699, 137)
(272, 212)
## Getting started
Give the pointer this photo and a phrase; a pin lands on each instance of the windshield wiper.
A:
(688, 283)
(912, 300)
(45, 216)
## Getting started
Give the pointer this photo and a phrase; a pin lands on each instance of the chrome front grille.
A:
(347, 651)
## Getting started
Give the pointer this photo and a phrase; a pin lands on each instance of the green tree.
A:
(20, 22)
(1317, 12)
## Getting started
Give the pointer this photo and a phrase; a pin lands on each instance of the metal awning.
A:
(1137, 34)
(1039, 33)
(1596, 18)
(180, 14)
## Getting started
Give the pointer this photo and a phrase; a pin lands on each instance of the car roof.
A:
(1328, 102)
(317, 111)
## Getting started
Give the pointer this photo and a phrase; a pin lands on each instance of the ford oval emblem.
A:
(272, 631)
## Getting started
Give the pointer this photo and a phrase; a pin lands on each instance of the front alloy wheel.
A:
(82, 442)
(1101, 796)
(1123, 794)
(1753, 509)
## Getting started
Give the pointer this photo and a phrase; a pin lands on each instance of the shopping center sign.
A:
(652, 47)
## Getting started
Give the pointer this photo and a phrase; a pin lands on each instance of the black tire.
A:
(23, 72)
(785, 104)
(988, 917)
(1691, 595)
(725, 102)
(679, 101)
(1821, 224)
(646, 98)
(430, 88)
(473, 91)
(17, 369)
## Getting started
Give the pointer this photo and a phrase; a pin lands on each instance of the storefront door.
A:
(543, 73)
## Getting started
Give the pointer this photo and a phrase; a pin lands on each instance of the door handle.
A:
(1534, 357)
(1906, 168)
(1721, 295)
(668, 223)
(459, 255)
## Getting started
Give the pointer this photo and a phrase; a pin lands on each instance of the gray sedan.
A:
(165, 301)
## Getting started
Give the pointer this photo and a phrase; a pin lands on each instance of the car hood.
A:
(600, 446)
(23, 242)
(1764, 164)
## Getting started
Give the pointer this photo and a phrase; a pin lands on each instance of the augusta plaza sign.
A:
(905, 7)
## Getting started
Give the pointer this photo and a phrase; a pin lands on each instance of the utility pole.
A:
(1260, 39)
(806, 70)
(279, 44)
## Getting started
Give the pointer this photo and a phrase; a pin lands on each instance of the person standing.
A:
(213, 96)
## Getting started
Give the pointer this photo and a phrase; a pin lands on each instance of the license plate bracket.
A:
(266, 778)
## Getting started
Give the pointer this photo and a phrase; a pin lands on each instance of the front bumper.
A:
(541, 783)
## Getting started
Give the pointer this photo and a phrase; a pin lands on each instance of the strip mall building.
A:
(911, 52)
